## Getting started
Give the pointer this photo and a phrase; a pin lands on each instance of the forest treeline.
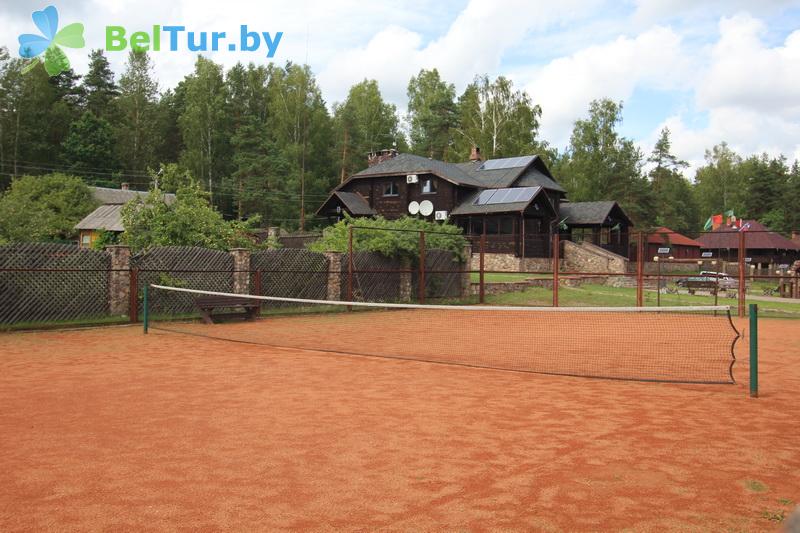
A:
(262, 141)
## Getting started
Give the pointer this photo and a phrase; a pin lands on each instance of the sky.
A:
(710, 71)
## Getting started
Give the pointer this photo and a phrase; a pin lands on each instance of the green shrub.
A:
(391, 238)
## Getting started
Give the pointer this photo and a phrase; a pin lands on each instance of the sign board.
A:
(707, 254)
(783, 266)
(748, 259)
(663, 250)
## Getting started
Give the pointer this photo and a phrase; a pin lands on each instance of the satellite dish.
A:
(413, 208)
(426, 208)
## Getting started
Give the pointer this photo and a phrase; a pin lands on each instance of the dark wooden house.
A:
(515, 201)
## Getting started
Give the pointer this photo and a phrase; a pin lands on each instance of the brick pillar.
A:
(335, 261)
(119, 279)
(241, 270)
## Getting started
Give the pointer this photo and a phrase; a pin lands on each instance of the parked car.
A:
(724, 281)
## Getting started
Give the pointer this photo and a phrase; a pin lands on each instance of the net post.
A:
(421, 281)
(350, 266)
(133, 298)
(640, 270)
(556, 261)
(754, 350)
(145, 310)
(742, 267)
(481, 287)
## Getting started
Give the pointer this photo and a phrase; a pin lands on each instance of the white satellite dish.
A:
(413, 208)
(425, 208)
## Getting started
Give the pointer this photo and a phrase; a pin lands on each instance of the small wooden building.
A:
(108, 217)
(764, 247)
(663, 242)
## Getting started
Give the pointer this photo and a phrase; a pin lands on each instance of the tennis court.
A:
(111, 429)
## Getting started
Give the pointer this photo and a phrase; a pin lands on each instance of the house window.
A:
(507, 226)
(85, 238)
(391, 189)
(428, 187)
(477, 226)
(605, 235)
(579, 234)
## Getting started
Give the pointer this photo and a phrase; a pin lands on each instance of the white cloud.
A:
(750, 92)
(567, 85)
(473, 44)
(745, 73)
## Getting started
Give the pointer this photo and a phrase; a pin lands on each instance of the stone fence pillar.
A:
(406, 281)
(119, 281)
(466, 275)
(335, 268)
(241, 270)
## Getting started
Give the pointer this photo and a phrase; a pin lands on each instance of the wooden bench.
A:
(706, 284)
(207, 304)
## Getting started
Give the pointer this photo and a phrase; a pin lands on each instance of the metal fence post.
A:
(742, 267)
(257, 289)
(556, 261)
(481, 285)
(421, 281)
(640, 270)
(133, 298)
(754, 350)
(145, 310)
(350, 266)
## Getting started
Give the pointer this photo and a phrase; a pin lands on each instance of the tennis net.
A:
(670, 344)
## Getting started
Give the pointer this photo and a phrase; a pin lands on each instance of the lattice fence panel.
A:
(48, 282)
(189, 267)
(289, 273)
(443, 275)
(377, 278)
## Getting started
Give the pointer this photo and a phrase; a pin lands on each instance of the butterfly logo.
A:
(46, 48)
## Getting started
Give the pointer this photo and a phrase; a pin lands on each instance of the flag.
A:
(716, 221)
(745, 227)
(707, 225)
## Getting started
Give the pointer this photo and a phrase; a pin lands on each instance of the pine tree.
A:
(431, 114)
(137, 108)
(99, 86)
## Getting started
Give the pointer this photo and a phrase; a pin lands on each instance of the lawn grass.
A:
(605, 296)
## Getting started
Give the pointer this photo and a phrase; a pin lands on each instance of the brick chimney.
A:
(475, 154)
(125, 186)
(373, 158)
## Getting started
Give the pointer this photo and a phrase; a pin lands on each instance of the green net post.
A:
(754, 350)
(145, 314)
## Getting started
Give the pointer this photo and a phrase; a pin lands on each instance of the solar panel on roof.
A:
(508, 162)
(500, 196)
(506, 195)
(484, 196)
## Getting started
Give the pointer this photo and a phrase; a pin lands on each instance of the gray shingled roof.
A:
(414, 164)
(586, 212)
(105, 217)
(105, 195)
(355, 203)
(533, 178)
(470, 174)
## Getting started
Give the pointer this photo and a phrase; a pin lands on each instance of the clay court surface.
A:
(107, 429)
